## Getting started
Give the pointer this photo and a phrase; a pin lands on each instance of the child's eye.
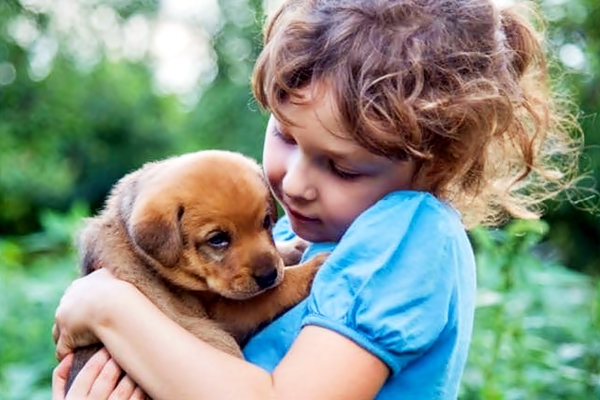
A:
(283, 137)
(340, 173)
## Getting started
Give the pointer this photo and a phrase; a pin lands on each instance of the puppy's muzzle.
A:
(265, 271)
(267, 279)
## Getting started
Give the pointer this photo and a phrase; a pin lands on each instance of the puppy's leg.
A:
(242, 317)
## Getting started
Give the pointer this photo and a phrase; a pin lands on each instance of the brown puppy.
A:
(193, 233)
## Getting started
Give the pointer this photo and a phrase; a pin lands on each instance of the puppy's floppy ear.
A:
(273, 210)
(273, 206)
(154, 228)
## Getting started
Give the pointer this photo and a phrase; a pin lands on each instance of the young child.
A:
(395, 124)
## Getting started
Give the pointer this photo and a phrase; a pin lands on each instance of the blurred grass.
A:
(34, 271)
(536, 330)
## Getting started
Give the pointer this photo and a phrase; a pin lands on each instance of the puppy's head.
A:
(203, 221)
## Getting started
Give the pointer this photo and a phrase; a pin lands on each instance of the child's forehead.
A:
(312, 104)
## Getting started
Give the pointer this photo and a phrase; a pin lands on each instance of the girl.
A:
(395, 124)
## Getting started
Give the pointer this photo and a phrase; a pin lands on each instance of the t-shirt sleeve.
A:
(388, 284)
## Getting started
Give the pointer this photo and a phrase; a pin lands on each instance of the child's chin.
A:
(313, 232)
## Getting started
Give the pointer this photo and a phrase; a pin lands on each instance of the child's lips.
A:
(301, 217)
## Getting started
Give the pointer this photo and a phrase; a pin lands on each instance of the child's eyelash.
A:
(284, 138)
(341, 173)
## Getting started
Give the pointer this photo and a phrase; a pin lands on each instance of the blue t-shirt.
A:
(401, 284)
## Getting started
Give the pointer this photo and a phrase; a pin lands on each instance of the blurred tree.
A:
(226, 110)
(575, 37)
(71, 126)
(79, 107)
(72, 135)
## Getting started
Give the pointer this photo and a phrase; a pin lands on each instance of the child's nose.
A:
(297, 180)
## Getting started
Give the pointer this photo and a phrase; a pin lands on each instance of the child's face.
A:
(324, 180)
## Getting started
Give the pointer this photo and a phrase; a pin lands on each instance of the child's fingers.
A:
(138, 394)
(86, 379)
(60, 376)
(125, 389)
(106, 382)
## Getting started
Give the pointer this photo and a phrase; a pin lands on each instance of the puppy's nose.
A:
(266, 279)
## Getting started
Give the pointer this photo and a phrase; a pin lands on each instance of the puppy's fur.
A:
(193, 234)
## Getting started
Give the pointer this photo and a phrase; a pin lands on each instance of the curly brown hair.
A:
(459, 86)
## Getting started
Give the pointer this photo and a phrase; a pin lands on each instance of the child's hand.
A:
(99, 379)
(291, 251)
(81, 308)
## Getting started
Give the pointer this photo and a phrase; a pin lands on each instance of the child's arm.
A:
(168, 362)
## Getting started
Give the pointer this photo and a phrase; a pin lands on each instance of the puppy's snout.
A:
(266, 279)
(265, 271)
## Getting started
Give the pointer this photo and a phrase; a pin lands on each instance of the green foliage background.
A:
(66, 135)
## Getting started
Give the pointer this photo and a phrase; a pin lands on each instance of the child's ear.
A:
(154, 229)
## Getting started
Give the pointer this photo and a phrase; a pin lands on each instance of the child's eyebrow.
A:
(338, 155)
(351, 156)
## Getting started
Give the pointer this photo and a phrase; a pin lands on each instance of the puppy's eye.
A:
(219, 239)
(267, 222)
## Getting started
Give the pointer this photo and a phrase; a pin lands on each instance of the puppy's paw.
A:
(315, 263)
(297, 282)
(303, 274)
(291, 251)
